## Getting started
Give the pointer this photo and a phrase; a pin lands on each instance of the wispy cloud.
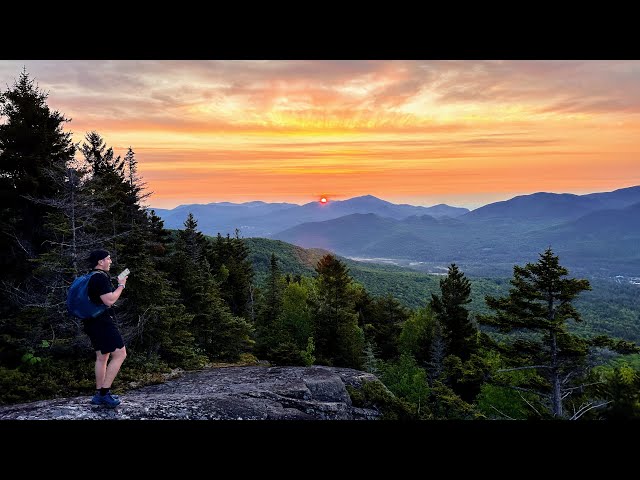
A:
(323, 121)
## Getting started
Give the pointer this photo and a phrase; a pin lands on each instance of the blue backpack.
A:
(78, 302)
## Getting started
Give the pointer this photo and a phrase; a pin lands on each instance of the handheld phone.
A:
(124, 273)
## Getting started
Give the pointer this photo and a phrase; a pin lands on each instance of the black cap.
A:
(96, 256)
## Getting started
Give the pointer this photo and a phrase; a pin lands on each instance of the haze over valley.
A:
(596, 234)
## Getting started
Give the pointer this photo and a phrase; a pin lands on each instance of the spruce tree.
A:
(386, 317)
(32, 146)
(449, 308)
(232, 267)
(34, 153)
(268, 330)
(540, 302)
(339, 341)
(217, 332)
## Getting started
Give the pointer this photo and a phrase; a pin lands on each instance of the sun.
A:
(324, 200)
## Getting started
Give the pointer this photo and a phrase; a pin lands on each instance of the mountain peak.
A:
(367, 199)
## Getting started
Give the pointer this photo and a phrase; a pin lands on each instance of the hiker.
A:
(102, 330)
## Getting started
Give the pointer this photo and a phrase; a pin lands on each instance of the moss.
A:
(375, 395)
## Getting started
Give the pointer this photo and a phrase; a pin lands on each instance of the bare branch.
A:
(566, 379)
(569, 391)
(529, 403)
(513, 387)
(522, 368)
(584, 409)
(19, 243)
(501, 413)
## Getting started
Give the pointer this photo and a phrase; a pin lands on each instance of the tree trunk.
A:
(555, 378)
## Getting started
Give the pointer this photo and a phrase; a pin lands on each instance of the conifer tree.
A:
(620, 389)
(339, 341)
(32, 145)
(230, 263)
(268, 329)
(386, 317)
(540, 301)
(218, 332)
(34, 151)
(459, 333)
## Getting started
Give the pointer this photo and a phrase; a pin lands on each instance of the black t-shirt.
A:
(99, 284)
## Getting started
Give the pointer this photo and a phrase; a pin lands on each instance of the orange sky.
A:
(464, 133)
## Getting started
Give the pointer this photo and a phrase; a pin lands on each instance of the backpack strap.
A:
(95, 270)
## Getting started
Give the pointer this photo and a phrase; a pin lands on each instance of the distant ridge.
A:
(597, 232)
(264, 219)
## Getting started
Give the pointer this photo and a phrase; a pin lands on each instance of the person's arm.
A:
(110, 298)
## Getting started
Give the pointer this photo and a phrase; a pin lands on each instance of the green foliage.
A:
(417, 335)
(375, 395)
(449, 308)
(540, 301)
(466, 377)
(500, 403)
(384, 317)
(339, 340)
(307, 355)
(618, 389)
(30, 358)
(295, 315)
(33, 148)
(269, 330)
(231, 265)
(446, 405)
(407, 381)
(611, 308)
(282, 335)
(371, 364)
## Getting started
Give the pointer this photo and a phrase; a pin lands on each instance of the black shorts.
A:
(104, 333)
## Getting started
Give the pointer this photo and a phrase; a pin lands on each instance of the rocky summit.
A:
(229, 393)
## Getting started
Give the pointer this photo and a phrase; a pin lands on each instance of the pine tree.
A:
(232, 267)
(110, 191)
(540, 301)
(32, 145)
(217, 332)
(34, 153)
(459, 333)
(268, 329)
(386, 317)
(339, 340)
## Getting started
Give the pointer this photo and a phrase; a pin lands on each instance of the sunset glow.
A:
(465, 133)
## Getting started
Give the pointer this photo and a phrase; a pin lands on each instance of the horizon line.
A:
(382, 199)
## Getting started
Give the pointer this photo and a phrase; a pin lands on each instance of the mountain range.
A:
(260, 219)
(596, 234)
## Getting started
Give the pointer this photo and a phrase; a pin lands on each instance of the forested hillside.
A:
(609, 308)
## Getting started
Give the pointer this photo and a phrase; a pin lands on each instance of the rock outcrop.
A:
(229, 393)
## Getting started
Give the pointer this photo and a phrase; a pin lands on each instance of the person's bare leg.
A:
(117, 357)
(101, 368)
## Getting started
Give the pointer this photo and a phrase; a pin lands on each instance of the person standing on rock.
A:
(102, 330)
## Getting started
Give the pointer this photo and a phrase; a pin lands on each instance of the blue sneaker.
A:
(109, 399)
